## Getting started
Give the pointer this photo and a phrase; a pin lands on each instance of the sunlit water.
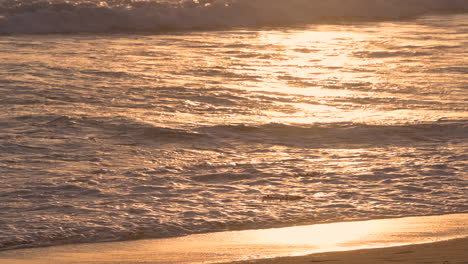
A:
(117, 136)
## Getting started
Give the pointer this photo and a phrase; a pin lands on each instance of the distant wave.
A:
(314, 135)
(349, 134)
(60, 16)
(125, 131)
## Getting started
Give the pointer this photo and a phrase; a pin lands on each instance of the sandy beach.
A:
(445, 252)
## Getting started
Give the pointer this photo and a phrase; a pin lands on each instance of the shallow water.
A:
(117, 136)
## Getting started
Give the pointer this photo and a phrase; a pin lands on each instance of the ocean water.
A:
(140, 119)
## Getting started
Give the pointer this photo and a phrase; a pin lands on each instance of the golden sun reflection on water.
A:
(318, 52)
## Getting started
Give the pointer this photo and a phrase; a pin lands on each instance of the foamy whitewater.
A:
(139, 119)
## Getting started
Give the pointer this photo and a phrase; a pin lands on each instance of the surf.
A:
(59, 16)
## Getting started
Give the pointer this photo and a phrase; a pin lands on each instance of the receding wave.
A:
(187, 191)
(60, 16)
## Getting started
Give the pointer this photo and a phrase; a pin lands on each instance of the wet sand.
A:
(274, 245)
(445, 252)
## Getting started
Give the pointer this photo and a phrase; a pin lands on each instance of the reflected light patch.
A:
(321, 235)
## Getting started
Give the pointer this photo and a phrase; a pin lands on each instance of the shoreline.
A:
(262, 245)
(453, 251)
(245, 228)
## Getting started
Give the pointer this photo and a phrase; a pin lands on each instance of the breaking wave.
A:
(63, 16)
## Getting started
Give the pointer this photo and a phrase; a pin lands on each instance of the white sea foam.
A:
(27, 16)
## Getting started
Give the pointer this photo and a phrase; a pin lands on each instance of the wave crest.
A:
(60, 16)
